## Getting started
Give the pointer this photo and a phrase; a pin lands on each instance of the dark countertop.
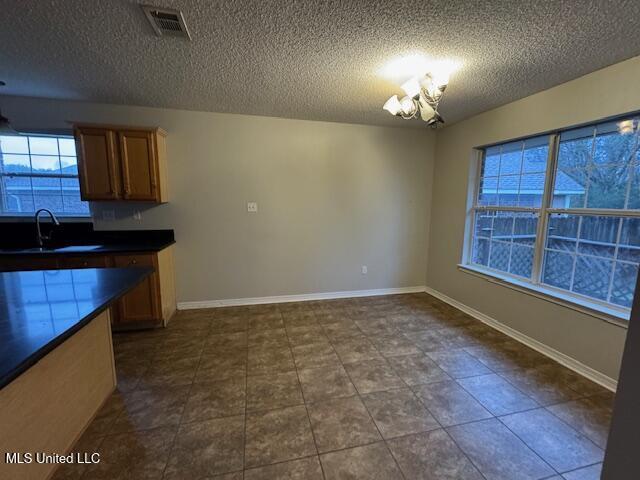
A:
(81, 239)
(94, 248)
(41, 309)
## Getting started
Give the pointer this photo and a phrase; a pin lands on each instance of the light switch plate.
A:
(364, 269)
(252, 207)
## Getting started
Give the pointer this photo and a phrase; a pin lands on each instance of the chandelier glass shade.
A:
(422, 96)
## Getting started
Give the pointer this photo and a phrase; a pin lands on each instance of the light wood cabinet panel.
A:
(47, 408)
(97, 164)
(142, 304)
(138, 165)
(122, 163)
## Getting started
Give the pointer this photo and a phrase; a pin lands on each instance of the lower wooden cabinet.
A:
(142, 304)
(150, 304)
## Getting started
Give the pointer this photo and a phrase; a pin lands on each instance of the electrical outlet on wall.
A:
(252, 207)
(364, 270)
(137, 215)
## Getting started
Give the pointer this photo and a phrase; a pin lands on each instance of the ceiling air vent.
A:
(166, 21)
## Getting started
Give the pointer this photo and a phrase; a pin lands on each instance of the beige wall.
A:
(611, 91)
(332, 197)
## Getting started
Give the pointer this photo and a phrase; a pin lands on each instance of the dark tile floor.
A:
(381, 387)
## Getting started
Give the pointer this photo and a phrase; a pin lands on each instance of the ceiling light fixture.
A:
(423, 94)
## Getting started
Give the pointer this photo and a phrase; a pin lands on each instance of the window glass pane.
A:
(629, 247)
(480, 255)
(634, 189)
(570, 188)
(558, 269)
(592, 255)
(43, 145)
(508, 187)
(598, 236)
(536, 153)
(624, 283)
(51, 202)
(24, 194)
(14, 144)
(491, 163)
(499, 255)
(45, 164)
(563, 232)
(524, 229)
(484, 224)
(521, 260)
(67, 147)
(488, 191)
(592, 276)
(575, 149)
(69, 165)
(73, 205)
(518, 178)
(615, 142)
(511, 158)
(531, 189)
(19, 203)
(504, 241)
(15, 163)
(607, 186)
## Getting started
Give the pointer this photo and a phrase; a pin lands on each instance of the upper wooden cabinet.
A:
(98, 169)
(122, 163)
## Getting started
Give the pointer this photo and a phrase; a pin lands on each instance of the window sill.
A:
(620, 318)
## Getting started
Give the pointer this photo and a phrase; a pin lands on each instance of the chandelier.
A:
(423, 94)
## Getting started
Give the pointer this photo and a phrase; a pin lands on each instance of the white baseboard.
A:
(569, 362)
(298, 298)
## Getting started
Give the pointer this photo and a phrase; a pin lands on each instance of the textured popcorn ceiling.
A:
(306, 59)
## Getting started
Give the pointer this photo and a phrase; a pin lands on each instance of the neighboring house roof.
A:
(531, 183)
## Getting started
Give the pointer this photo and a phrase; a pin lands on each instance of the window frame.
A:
(8, 216)
(534, 284)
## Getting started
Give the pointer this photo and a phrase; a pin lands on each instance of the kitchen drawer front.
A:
(17, 264)
(94, 261)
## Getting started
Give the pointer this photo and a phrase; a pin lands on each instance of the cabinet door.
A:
(138, 164)
(97, 165)
(142, 303)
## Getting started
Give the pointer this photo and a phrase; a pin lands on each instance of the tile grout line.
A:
(359, 395)
(529, 447)
(246, 402)
(304, 401)
(184, 407)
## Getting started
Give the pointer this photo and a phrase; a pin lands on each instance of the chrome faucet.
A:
(42, 237)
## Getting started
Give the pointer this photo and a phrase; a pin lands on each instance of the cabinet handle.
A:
(85, 263)
(134, 261)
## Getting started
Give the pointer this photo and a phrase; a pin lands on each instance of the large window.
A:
(39, 171)
(561, 212)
